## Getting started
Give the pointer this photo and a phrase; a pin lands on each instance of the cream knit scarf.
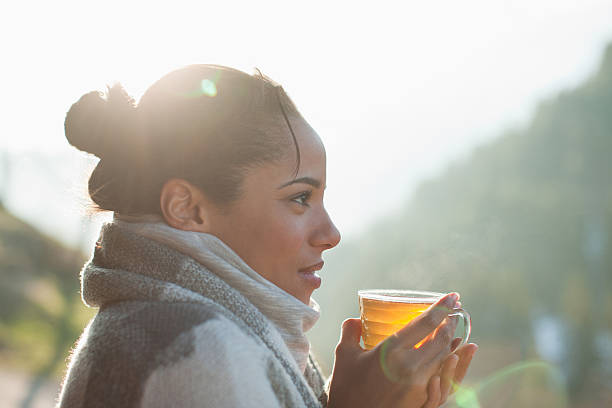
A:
(291, 317)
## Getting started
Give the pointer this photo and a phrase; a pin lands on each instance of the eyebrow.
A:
(304, 180)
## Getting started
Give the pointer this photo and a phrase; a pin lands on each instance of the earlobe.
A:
(183, 206)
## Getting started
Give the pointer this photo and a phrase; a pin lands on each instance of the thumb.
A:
(350, 335)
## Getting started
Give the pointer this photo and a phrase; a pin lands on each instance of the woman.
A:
(204, 277)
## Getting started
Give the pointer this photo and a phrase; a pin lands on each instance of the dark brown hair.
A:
(206, 124)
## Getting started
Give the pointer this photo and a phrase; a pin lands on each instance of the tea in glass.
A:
(384, 312)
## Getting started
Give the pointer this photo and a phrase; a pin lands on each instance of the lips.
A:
(309, 278)
(312, 268)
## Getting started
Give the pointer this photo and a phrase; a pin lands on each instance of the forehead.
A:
(312, 151)
(312, 164)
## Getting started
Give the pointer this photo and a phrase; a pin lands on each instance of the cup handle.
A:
(467, 324)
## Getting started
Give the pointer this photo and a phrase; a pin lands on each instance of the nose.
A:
(326, 236)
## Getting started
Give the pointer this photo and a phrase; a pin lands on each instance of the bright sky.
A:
(395, 89)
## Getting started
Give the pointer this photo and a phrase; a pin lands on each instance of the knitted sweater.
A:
(171, 331)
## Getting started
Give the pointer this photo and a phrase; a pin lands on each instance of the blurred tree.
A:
(522, 228)
(41, 314)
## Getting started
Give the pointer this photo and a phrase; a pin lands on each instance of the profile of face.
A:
(279, 225)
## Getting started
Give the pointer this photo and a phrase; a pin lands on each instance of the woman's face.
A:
(279, 225)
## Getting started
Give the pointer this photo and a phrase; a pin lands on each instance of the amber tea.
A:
(384, 312)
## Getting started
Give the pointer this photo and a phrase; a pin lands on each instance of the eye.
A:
(302, 198)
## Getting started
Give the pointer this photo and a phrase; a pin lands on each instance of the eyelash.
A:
(302, 198)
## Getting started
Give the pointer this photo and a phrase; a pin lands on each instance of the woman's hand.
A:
(395, 373)
(453, 371)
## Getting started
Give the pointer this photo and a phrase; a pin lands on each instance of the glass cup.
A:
(385, 311)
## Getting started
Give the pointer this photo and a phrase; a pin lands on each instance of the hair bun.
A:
(98, 123)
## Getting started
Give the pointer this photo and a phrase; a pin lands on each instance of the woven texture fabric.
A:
(171, 332)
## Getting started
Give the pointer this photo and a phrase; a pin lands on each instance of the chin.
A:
(304, 298)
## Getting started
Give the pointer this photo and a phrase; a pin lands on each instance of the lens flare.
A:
(529, 374)
(532, 383)
(466, 397)
(208, 88)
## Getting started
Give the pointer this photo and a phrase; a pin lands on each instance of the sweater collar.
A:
(291, 317)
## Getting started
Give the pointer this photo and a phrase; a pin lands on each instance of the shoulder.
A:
(150, 334)
(192, 352)
(130, 344)
(152, 322)
(218, 363)
(159, 354)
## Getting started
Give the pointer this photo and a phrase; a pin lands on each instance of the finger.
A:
(421, 326)
(465, 354)
(451, 321)
(349, 336)
(438, 347)
(433, 393)
(447, 376)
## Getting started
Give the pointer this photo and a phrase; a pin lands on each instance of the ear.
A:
(184, 206)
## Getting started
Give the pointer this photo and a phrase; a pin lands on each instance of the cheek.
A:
(271, 241)
(282, 238)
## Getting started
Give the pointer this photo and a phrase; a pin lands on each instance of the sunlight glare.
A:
(522, 379)
(209, 88)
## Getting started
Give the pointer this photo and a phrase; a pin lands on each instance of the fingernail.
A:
(452, 298)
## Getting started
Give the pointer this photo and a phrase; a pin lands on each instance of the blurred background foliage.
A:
(41, 313)
(40, 303)
(522, 228)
